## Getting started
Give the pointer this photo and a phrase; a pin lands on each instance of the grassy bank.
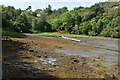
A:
(68, 35)
(11, 33)
(8, 32)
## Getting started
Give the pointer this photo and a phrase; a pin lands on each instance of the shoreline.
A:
(37, 52)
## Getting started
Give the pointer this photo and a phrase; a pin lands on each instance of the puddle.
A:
(50, 36)
(46, 60)
(42, 62)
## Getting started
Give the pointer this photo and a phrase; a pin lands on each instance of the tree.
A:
(107, 32)
(48, 10)
(85, 27)
(29, 7)
(55, 24)
(78, 20)
(41, 24)
(21, 24)
(67, 22)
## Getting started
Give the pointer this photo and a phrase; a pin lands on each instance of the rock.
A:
(83, 58)
(99, 57)
(75, 60)
(22, 48)
(34, 74)
(30, 50)
(73, 68)
(27, 57)
(84, 63)
(54, 65)
(45, 56)
(97, 65)
(58, 47)
(72, 62)
(45, 52)
(113, 76)
(39, 56)
(4, 59)
(7, 64)
(22, 43)
(36, 51)
(101, 79)
(62, 56)
(20, 53)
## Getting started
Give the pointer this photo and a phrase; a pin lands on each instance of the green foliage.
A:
(85, 27)
(101, 19)
(76, 30)
(107, 32)
(67, 22)
(48, 10)
(92, 33)
(21, 24)
(29, 7)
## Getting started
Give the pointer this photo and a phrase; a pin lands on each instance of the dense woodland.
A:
(101, 19)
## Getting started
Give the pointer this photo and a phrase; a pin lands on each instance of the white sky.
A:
(42, 4)
(2, 1)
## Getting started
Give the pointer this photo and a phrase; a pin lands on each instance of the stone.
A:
(54, 65)
(75, 60)
(22, 48)
(45, 56)
(113, 76)
(30, 50)
(39, 56)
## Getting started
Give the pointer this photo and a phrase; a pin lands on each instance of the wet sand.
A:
(54, 57)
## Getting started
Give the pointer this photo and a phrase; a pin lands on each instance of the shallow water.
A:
(45, 61)
(103, 50)
(109, 57)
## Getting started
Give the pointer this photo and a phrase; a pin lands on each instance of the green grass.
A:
(68, 35)
(8, 32)
(11, 33)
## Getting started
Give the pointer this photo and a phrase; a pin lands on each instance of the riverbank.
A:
(38, 57)
(55, 34)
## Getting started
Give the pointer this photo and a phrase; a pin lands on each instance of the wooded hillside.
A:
(101, 19)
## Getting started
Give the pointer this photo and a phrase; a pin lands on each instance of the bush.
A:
(91, 33)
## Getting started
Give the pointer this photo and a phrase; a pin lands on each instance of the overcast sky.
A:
(42, 4)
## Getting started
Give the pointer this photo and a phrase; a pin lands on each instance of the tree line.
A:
(101, 19)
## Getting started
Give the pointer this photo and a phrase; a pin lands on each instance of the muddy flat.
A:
(55, 57)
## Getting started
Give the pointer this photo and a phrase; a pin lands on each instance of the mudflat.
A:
(54, 57)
